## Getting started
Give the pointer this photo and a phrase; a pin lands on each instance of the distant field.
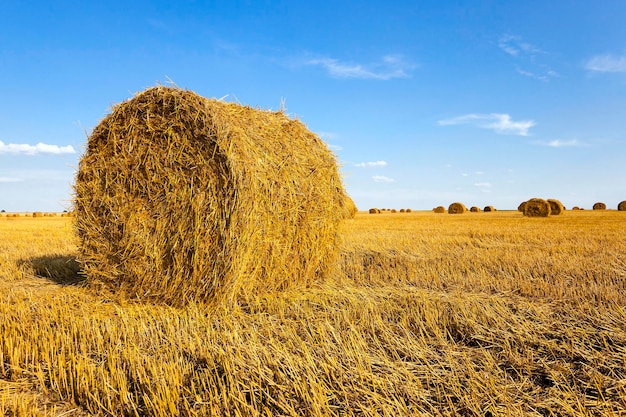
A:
(477, 314)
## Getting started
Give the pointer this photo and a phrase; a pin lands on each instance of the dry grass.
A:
(429, 316)
(181, 198)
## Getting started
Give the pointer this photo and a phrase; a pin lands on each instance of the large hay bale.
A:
(622, 206)
(599, 206)
(457, 208)
(537, 207)
(521, 206)
(179, 198)
(556, 207)
(439, 209)
(489, 209)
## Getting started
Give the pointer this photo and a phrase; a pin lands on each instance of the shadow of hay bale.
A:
(60, 269)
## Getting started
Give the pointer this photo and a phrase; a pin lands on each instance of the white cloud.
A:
(557, 143)
(528, 55)
(390, 66)
(607, 63)
(382, 178)
(9, 179)
(25, 149)
(498, 122)
(485, 187)
(515, 46)
(374, 164)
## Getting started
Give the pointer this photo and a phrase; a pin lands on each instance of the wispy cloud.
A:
(607, 63)
(10, 179)
(498, 122)
(374, 164)
(485, 187)
(531, 57)
(40, 148)
(382, 178)
(389, 67)
(557, 143)
(516, 46)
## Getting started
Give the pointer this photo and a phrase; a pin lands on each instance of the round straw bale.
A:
(599, 206)
(180, 198)
(556, 207)
(521, 206)
(537, 207)
(474, 209)
(622, 206)
(457, 208)
(439, 209)
(374, 211)
(489, 209)
(402, 210)
(409, 210)
(575, 208)
(393, 211)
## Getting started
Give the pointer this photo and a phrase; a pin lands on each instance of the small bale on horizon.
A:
(599, 206)
(489, 209)
(439, 209)
(474, 209)
(457, 208)
(556, 207)
(537, 207)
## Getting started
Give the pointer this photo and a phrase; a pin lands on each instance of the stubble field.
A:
(479, 314)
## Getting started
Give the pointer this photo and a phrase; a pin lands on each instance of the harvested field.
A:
(428, 315)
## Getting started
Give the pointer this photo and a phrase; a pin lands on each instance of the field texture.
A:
(478, 314)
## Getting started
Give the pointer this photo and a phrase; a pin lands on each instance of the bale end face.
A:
(599, 206)
(457, 208)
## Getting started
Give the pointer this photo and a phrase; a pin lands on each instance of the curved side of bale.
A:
(537, 207)
(374, 211)
(622, 206)
(474, 209)
(488, 209)
(521, 206)
(409, 210)
(576, 208)
(457, 208)
(599, 206)
(556, 207)
(439, 209)
(179, 198)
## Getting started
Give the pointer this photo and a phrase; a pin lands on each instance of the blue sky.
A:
(424, 102)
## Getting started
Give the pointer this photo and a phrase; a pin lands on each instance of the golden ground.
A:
(431, 314)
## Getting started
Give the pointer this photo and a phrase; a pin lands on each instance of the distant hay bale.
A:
(374, 211)
(488, 209)
(556, 207)
(439, 209)
(181, 198)
(402, 210)
(409, 210)
(394, 211)
(622, 206)
(576, 208)
(474, 209)
(457, 208)
(599, 206)
(537, 207)
(521, 206)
